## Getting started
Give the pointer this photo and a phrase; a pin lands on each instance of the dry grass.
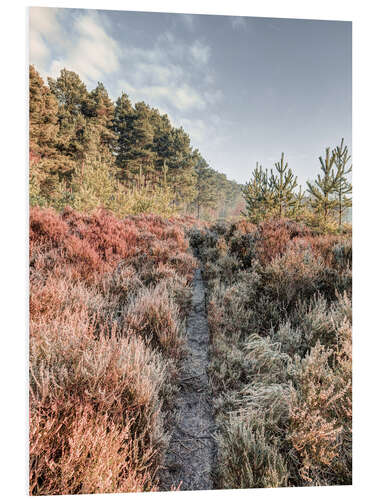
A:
(107, 308)
(279, 311)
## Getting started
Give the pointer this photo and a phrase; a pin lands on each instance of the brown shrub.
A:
(274, 236)
(46, 227)
(95, 244)
(272, 239)
(155, 316)
(108, 299)
(294, 275)
(280, 325)
(113, 385)
(247, 458)
(244, 227)
(320, 428)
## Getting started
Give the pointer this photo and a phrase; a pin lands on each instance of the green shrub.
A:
(247, 459)
(279, 313)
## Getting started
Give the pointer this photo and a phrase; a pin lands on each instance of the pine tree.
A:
(135, 135)
(322, 191)
(221, 185)
(70, 91)
(142, 135)
(122, 127)
(77, 138)
(99, 110)
(343, 187)
(46, 163)
(43, 126)
(258, 195)
(282, 184)
(181, 172)
(232, 197)
(297, 206)
(206, 194)
(162, 141)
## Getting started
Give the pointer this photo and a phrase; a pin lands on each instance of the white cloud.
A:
(94, 53)
(182, 98)
(213, 96)
(209, 130)
(208, 78)
(200, 53)
(186, 97)
(172, 74)
(39, 50)
(238, 23)
(188, 21)
(197, 129)
(44, 29)
(45, 21)
(157, 74)
(87, 50)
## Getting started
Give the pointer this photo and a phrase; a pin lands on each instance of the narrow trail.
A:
(191, 454)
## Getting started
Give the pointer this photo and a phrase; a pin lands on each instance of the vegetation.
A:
(344, 186)
(279, 310)
(88, 152)
(108, 301)
(323, 208)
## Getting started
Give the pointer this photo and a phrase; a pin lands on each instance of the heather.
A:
(108, 300)
(279, 311)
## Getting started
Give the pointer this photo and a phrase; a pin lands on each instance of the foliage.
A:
(94, 185)
(283, 183)
(344, 187)
(214, 192)
(80, 142)
(279, 312)
(108, 300)
(274, 195)
(322, 190)
(258, 195)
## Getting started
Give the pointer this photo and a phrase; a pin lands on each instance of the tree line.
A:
(87, 151)
(323, 205)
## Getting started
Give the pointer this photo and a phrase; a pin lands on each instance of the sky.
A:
(245, 89)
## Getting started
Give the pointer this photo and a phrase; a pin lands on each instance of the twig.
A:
(189, 378)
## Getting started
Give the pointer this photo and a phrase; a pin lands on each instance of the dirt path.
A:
(191, 454)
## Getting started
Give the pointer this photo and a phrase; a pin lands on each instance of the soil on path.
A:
(191, 454)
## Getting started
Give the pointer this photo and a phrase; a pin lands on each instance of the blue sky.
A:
(245, 89)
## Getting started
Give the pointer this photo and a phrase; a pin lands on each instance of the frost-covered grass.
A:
(108, 300)
(279, 310)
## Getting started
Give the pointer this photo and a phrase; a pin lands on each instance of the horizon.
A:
(287, 90)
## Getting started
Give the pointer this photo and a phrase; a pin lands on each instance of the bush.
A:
(247, 458)
(155, 316)
(107, 310)
(320, 427)
(79, 384)
(279, 313)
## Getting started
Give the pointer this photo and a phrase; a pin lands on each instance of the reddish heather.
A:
(108, 299)
(95, 244)
(274, 237)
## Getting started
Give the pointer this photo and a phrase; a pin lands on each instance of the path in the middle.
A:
(192, 450)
